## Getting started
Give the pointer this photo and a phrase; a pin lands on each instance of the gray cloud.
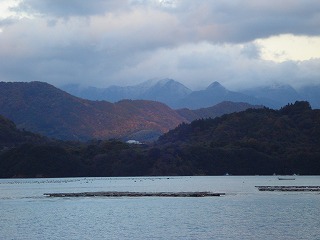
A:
(199, 65)
(128, 41)
(217, 21)
(66, 9)
(8, 21)
(245, 20)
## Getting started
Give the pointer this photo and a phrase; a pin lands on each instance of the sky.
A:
(239, 43)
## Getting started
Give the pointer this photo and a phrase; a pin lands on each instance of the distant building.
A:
(133, 142)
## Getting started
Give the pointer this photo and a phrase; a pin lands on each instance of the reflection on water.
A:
(244, 213)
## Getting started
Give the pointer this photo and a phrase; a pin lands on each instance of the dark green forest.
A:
(253, 142)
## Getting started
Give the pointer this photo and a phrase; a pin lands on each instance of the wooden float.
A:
(289, 188)
(136, 194)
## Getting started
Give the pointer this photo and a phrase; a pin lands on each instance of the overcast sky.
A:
(240, 43)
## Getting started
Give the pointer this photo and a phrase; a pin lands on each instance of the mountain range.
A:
(167, 91)
(42, 108)
(252, 142)
(215, 111)
(177, 96)
(256, 141)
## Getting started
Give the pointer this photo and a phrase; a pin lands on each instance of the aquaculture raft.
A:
(136, 194)
(289, 188)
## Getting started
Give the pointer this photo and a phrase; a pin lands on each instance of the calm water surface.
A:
(244, 213)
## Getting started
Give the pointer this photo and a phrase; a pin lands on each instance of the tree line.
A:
(255, 141)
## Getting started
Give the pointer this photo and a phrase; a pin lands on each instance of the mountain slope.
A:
(11, 136)
(212, 95)
(311, 94)
(166, 91)
(255, 141)
(297, 120)
(215, 111)
(274, 96)
(44, 109)
(177, 96)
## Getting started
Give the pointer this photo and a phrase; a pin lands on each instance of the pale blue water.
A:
(244, 213)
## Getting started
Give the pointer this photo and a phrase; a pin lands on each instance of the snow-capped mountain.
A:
(215, 93)
(176, 95)
(274, 96)
(167, 91)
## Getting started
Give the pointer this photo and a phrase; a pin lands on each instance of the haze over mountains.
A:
(176, 95)
(47, 110)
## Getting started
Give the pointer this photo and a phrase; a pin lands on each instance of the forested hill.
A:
(256, 141)
(293, 124)
(10, 136)
(42, 108)
(216, 110)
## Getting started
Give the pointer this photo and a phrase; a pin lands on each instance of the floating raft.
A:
(286, 178)
(136, 194)
(289, 188)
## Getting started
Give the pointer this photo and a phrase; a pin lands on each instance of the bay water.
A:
(243, 213)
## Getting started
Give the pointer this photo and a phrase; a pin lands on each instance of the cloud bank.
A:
(123, 42)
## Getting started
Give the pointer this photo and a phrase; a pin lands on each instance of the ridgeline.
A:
(255, 141)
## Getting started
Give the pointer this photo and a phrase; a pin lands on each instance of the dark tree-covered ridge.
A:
(255, 141)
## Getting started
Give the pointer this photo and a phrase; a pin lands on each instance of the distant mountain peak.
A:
(171, 82)
(216, 85)
(148, 83)
(166, 80)
(278, 86)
